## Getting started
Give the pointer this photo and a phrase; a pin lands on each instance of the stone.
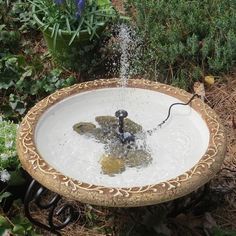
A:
(117, 156)
(107, 122)
(132, 127)
(111, 165)
(138, 158)
(84, 128)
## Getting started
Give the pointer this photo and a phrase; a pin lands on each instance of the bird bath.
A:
(186, 152)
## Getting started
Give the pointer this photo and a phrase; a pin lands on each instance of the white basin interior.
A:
(175, 148)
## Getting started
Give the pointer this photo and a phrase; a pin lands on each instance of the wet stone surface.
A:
(117, 156)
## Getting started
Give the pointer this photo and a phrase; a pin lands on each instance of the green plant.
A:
(8, 157)
(15, 20)
(8, 39)
(223, 232)
(20, 88)
(184, 40)
(18, 225)
(11, 176)
(10, 167)
(22, 16)
(73, 16)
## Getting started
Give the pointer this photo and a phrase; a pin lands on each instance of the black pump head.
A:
(121, 114)
(125, 137)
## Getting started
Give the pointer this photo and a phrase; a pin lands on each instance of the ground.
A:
(215, 210)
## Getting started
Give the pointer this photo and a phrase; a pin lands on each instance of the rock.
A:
(138, 158)
(107, 122)
(117, 155)
(104, 136)
(84, 128)
(111, 165)
(132, 127)
(111, 122)
(118, 149)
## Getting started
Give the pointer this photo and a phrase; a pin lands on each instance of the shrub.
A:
(183, 40)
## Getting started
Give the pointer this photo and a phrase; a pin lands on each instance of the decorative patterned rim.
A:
(189, 181)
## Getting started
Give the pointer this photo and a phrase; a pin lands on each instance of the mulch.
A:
(222, 98)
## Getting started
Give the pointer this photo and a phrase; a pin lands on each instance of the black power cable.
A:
(169, 112)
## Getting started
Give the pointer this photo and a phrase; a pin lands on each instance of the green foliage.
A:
(20, 68)
(8, 156)
(11, 176)
(223, 232)
(8, 39)
(22, 16)
(10, 168)
(18, 225)
(66, 16)
(15, 19)
(183, 40)
(16, 14)
(19, 91)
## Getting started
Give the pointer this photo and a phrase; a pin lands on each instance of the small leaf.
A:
(56, 72)
(19, 229)
(16, 104)
(4, 85)
(4, 223)
(3, 220)
(103, 2)
(21, 110)
(28, 73)
(21, 61)
(4, 195)
(70, 80)
(2, 27)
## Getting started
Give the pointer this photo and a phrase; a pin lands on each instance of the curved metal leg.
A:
(34, 195)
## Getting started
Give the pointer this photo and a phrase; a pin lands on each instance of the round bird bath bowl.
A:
(187, 151)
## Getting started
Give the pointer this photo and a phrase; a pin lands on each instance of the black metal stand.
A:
(64, 213)
(59, 215)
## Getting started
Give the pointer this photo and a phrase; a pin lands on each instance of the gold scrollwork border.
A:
(189, 181)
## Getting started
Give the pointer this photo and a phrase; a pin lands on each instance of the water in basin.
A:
(175, 147)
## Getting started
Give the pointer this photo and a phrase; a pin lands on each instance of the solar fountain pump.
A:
(125, 137)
